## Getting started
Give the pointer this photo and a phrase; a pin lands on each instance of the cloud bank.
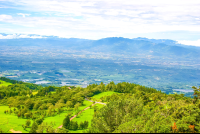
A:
(16, 36)
(190, 43)
(95, 19)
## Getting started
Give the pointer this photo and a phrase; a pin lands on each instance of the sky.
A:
(95, 19)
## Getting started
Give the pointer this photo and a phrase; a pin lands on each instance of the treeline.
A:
(14, 90)
(123, 87)
(18, 88)
(29, 85)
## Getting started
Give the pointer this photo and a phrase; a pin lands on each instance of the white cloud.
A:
(15, 36)
(101, 18)
(191, 43)
(24, 15)
(4, 17)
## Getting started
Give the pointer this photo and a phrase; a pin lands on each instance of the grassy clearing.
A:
(98, 96)
(34, 93)
(99, 105)
(53, 92)
(58, 119)
(3, 83)
(86, 115)
(9, 121)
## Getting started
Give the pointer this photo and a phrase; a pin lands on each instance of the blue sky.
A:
(94, 19)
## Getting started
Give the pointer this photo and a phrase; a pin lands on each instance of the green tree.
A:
(39, 121)
(81, 125)
(27, 115)
(85, 124)
(196, 93)
(66, 122)
(28, 123)
(73, 125)
(34, 128)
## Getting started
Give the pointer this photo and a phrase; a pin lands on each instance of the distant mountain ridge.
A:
(113, 45)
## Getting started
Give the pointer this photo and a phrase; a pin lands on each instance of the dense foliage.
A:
(147, 112)
(18, 88)
(134, 108)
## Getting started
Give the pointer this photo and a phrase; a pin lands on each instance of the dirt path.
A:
(13, 131)
(84, 110)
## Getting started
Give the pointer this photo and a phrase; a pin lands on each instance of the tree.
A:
(81, 125)
(24, 127)
(27, 115)
(28, 123)
(19, 114)
(34, 128)
(49, 129)
(66, 122)
(69, 104)
(196, 93)
(29, 104)
(95, 108)
(73, 125)
(39, 121)
(41, 127)
(76, 106)
(23, 111)
(10, 111)
(85, 124)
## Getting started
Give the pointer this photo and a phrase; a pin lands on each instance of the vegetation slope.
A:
(129, 108)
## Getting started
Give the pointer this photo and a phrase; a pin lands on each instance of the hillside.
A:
(122, 107)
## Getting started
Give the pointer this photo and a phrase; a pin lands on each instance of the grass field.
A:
(34, 93)
(3, 83)
(53, 92)
(86, 115)
(11, 121)
(98, 96)
(58, 119)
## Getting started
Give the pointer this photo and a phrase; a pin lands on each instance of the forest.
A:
(127, 108)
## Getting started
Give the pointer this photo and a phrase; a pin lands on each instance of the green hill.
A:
(121, 108)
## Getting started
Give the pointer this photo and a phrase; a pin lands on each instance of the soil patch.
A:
(13, 131)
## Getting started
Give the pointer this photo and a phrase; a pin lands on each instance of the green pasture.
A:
(53, 92)
(86, 115)
(98, 96)
(3, 83)
(34, 93)
(58, 119)
(11, 121)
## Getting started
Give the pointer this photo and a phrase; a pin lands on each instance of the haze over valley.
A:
(159, 63)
